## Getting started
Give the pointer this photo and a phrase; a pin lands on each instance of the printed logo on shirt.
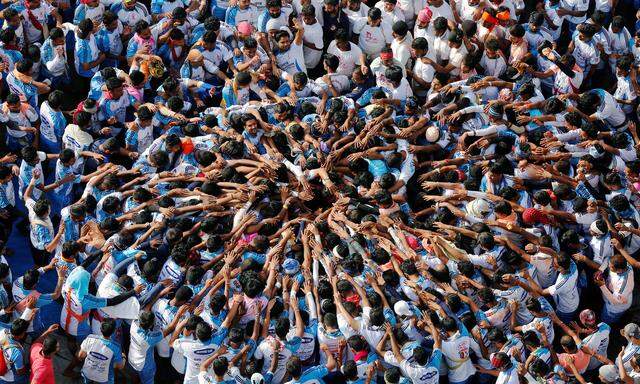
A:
(98, 356)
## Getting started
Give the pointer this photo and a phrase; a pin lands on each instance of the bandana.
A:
(32, 17)
(172, 47)
(386, 56)
(487, 18)
(361, 356)
(503, 16)
(594, 228)
(425, 15)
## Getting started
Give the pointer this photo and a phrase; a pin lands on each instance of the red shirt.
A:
(41, 366)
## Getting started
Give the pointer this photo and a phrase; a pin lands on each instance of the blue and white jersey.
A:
(166, 6)
(114, 108)
(28, 91)
(280, 21)
(312, 375)
(74, 318)
(84, 11)
(220, 54)
(164, 313)
(54, 58)
(86, 51)
(101, 356)
(291, 60)
(32, 33)
(235, 15)
(565, 290)
(141, 348)
(196, 352)
(25, 175)
(11, 56)
(52, 125)
(598, 341)
(110, 41)
(14, 356)
(139, 139)
(7, 195)
(63, 193)
(130, 17)
(427, 374)
(285, 351)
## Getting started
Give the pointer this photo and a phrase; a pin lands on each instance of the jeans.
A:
(610, 317)
(566, 317)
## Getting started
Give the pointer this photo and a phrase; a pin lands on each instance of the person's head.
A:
(331, 6)
(309, 14)
(50, 346)
(374, 16)
(586, 31)
(19, 328)
(294, 367)
(129, 4)
(142, 29)
(242, 79)
(203, 331)
(274, 7)
(110, 20)
(516, 34)
(220, 364)
(13, 20)
(618, 264)
(608, 374)
(183, 295)
(14, 105)
(282, 328)
(108, 327)
(330, 63)
(85, 28)
(400, 29)
(283, 40)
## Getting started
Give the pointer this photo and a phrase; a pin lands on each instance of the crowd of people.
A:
(320, 191)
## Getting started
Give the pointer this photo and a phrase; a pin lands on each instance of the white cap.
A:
(478, 208)
(433, 134)
(401, 308)
(257, 378)
(274, 24)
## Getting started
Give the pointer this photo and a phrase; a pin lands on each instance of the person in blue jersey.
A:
(89, 9)
(111, 38)
(242, 11)
(143, 340)
(313, 374)
(101, 355)
(289, 53)
(52, 122)
(419, 367)
(142, 41)
(87, 54)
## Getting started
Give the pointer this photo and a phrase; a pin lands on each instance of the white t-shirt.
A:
(372, 39)
(195, 352)
(402, 49)
(348, 59)
(291, 61)
(313, 35)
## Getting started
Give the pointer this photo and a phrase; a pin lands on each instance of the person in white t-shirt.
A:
(423, 72)
(312, 40)
(390, 11)
(401, 44)
(289, 54)
(373, 33)
(350, 54)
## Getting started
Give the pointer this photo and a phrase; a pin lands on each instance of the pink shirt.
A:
(41, 366)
